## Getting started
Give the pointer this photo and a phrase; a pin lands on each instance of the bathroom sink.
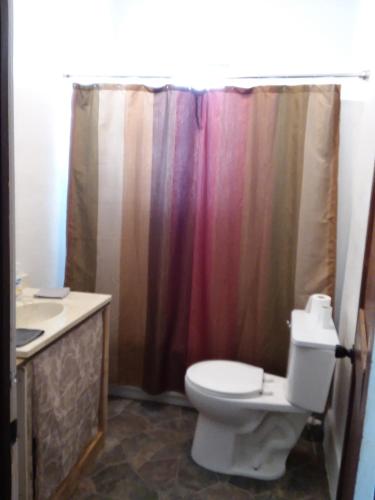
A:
(35, 313)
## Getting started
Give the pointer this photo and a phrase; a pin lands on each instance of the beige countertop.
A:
(77, 306)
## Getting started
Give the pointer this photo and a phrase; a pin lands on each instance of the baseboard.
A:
(132, 392)
(331, 454)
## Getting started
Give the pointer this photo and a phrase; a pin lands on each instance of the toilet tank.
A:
(311, 359)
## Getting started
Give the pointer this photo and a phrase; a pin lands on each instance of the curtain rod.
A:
(363, 75)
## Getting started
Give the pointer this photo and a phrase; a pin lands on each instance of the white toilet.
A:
(250, 420)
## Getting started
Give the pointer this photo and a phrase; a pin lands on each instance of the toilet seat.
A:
(226, 379)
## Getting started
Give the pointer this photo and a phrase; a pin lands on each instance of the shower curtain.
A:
(207, 215)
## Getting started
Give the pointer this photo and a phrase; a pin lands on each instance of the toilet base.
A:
(258, 449)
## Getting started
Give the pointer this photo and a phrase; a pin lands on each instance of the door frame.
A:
(5, 260)
(363, 355)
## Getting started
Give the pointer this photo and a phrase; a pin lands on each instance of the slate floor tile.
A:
(146, 456)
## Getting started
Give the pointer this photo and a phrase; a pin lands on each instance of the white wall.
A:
(351, 116)
(40, 162)
(194, 36)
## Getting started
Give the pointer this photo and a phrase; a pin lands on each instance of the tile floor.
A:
(147, 457)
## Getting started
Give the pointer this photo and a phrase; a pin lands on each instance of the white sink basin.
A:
(33, 314)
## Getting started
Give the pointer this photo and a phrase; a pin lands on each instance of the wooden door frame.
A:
(5, 325)
(354, 433)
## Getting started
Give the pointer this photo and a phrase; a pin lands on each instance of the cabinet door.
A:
(66, 396)
(25, 441)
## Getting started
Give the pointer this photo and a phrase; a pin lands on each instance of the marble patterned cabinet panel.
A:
(63, 396)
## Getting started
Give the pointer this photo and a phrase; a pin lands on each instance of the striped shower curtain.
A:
(207, 215)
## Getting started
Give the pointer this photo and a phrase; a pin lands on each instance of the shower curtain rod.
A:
(363, 75)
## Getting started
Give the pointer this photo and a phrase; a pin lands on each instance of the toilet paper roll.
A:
(325, 317)
(316, 304)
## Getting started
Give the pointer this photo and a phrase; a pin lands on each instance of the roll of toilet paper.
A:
(325, 317)
(317, 306)
(319, 309)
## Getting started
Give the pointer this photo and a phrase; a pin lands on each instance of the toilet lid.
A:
(230, 379)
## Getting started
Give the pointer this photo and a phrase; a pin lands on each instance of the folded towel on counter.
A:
(26, 335)
(52, 293)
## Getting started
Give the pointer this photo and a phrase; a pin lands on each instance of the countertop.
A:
(77, 307)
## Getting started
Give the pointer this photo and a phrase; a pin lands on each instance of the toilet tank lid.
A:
(227, 378)
(306, 333)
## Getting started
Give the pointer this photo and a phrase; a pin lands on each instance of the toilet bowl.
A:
(249, 420)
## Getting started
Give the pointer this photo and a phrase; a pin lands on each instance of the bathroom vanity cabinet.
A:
(62, 398)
